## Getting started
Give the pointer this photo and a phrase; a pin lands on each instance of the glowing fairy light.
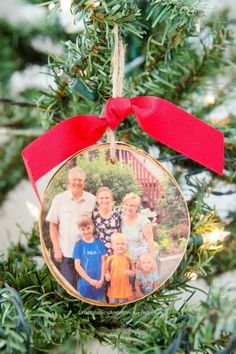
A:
(65, 5)
(217, 235)
(198, 25)
(33, 210)
(51, 6)
(91, 4)
(67, 17)
(191, 275)
(214, 240)
(209, 98)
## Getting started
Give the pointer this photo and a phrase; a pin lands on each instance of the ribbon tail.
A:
(180, 131)
(59, 143)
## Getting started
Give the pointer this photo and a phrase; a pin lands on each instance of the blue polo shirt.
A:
(90, 256)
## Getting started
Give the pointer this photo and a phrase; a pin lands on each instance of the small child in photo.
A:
(89, 258)
(146, 279)
(118, 270)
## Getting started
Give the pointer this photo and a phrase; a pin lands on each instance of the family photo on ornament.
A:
(109, 229)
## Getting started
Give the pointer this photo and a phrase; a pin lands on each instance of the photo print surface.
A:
(113, 233)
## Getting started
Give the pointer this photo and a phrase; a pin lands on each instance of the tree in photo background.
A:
(99, 172)
(172, 218)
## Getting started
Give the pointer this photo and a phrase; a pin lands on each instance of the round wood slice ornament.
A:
(114, 225)
(113, 232)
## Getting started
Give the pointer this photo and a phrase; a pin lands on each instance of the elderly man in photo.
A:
(62, 216)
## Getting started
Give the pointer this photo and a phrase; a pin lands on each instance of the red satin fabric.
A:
(159, 118)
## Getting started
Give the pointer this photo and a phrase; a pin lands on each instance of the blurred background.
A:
(31, 36)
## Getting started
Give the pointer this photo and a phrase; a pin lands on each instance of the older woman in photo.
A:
(106, 217)
(137, 228)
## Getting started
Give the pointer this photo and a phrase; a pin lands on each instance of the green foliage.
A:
(169, 244)
(177, 71)
(225, 260)
(171, 208)
(172, 217)
(15, 331)
(16, 53)
(178, 18)
(104, 15)
(165, 244)
(8, 162)
(57, 319)
(87, 61)
(16, 50)
(166, 56)
(99, 173)
(17, 130)
(173, 65)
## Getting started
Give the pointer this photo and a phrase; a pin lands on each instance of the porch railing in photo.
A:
(150, 183)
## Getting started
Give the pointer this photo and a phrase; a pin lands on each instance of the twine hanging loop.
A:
(118, 66)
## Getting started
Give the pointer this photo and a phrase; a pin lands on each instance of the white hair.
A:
(76, 171)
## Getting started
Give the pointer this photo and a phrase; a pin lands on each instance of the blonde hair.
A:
(146, 256)
(132, 196)
(117, 236)
(85, 219)
(103, 189)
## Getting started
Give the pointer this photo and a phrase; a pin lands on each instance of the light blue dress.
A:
(137, 244)
(147, 282)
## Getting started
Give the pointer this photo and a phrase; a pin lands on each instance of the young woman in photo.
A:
(106, 217)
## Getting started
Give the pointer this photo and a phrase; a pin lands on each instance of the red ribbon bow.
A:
(159, 118)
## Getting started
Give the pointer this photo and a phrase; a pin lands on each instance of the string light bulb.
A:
(51, 6)
(33, 210)
(198, 25)
(65, 5)
(91, 4)
(209, 98)
(191, 275)
(214, 239)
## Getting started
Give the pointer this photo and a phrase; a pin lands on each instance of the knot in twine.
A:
(118, 66)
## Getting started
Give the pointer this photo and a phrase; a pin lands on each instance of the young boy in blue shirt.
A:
(89, 258)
